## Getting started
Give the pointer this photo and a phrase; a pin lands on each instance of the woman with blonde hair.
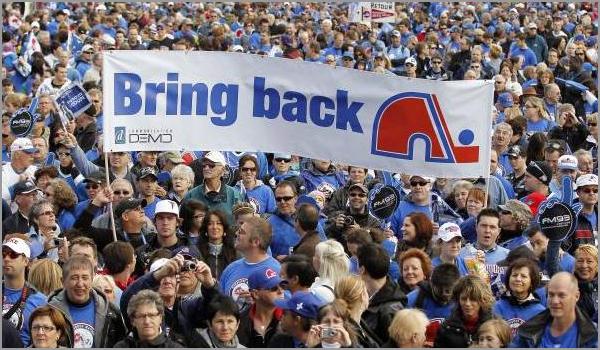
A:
(474, 301)
(407, 329)
(353, 291)
(45, 275)
(331, 263)
(106, 284)
(538, 119)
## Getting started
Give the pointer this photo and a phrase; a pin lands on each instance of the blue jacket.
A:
(438, 210)
(422, 298)
(530, 333)
(316, 180)
(516, 314)
(285, 236)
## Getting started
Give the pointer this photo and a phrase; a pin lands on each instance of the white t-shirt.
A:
(10, 177)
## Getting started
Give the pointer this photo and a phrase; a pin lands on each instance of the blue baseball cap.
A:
(264, 279)
(306, 199)
(505, 99)
(305, 304)
(468, 26)
(348, 54)
(455, 29)
(579, 37)
(588, 67)
(591, 41)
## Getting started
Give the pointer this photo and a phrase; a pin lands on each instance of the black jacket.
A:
(15, 223)
(249, 337)
(574, 136)
(452, 333)
(364, 220)
(382, 308)
(588, 298)
(132, 341)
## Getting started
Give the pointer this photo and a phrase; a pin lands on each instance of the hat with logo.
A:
(541, 171)
(358, 186)
(18, 246)
(305, 304)
(265, 278)
(23, 144)
(96, 177)
(396, 33)
(173, 157)
(516, 150)
(518, 253)
(411, 60)
(567, 162)
(166, 206)
(128, 204)
(87, 47)
(448, 231)
(24, 187)
(505, 99)
(146, 172)
(532, 25)
(587, 180)
(215, 157)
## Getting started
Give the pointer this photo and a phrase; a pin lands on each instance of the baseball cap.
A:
(455, 29)
(348, 54)
(35, 24)
(517, 253)
(96, 177)
(23, 144)
(567, 162)
(24, 187)
(174, 157)
(215, 157)
(532, 25)
(166, 206)
(533, 201)
(147, 171)
(587, 180)
(87, 47)
(237, 48)
(587, 67)
(282, 156)
(411, 60)
(265, 278)
(128, 204)
(505, 99)
(448, 231)
(426, 178)
(18, 245)
(579, 37)
(515, 207)
(396, 33)
(158, 263)
(360, 186)
(305, 304)
(541, 171)
(306, 199)
(516, 151)
(186, 252)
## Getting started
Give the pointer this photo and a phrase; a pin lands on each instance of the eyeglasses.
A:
(273, 289)
(46, 329)
(360, 195)
(592, 124)
(149, 315)
(420, 183)
(589, 190)
(47, 213)
(64, 154)
(118, 193)
(284, 198)
(284, 160)
(244, 170)
(580, 53)
(11, 254)
(91, 186)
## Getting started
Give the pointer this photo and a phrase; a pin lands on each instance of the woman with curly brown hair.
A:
(63, 198)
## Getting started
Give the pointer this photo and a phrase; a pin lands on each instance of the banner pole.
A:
(110, 205)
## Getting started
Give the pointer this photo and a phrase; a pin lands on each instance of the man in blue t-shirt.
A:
(19, 299)
(562, 325)
(252, 241)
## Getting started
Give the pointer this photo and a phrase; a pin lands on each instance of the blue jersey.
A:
(20, 318)
(433, 310)
(567, 340)
(459, 262)
(514, 314)
(542, 125)
(84, 324)
(403, 210)
(261, 197)
(234, 279)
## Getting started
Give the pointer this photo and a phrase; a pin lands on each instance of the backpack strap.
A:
(25, 293)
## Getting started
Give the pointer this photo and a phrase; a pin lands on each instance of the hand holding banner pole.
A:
(110, 205)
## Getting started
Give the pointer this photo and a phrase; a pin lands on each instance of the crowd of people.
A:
(233, 249)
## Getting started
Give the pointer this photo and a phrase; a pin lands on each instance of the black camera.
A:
(189, 265)
(57, 241)
(348, 220)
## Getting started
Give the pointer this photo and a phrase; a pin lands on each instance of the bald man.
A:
(562, 325)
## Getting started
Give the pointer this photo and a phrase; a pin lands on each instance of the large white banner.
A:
(176, 100)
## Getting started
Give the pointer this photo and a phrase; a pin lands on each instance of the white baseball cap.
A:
(567, 162)
(22, 144)
(448, 231)
(586, 180)
(19, 246)
(166, 206)
(216, 157)
(158, 263)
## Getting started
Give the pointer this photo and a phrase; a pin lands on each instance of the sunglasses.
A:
(284, 160)
(592, 124)
(475, 67)
(284, 199)
(272, 289)
(118, 193)
(589, 190)
(420, 183)
(210, 165)
(244, 170)
(11, 254)
(436, 62)
(360, 195)
(91, 186)
(64, 154)
(513, 157)
(409, 65)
